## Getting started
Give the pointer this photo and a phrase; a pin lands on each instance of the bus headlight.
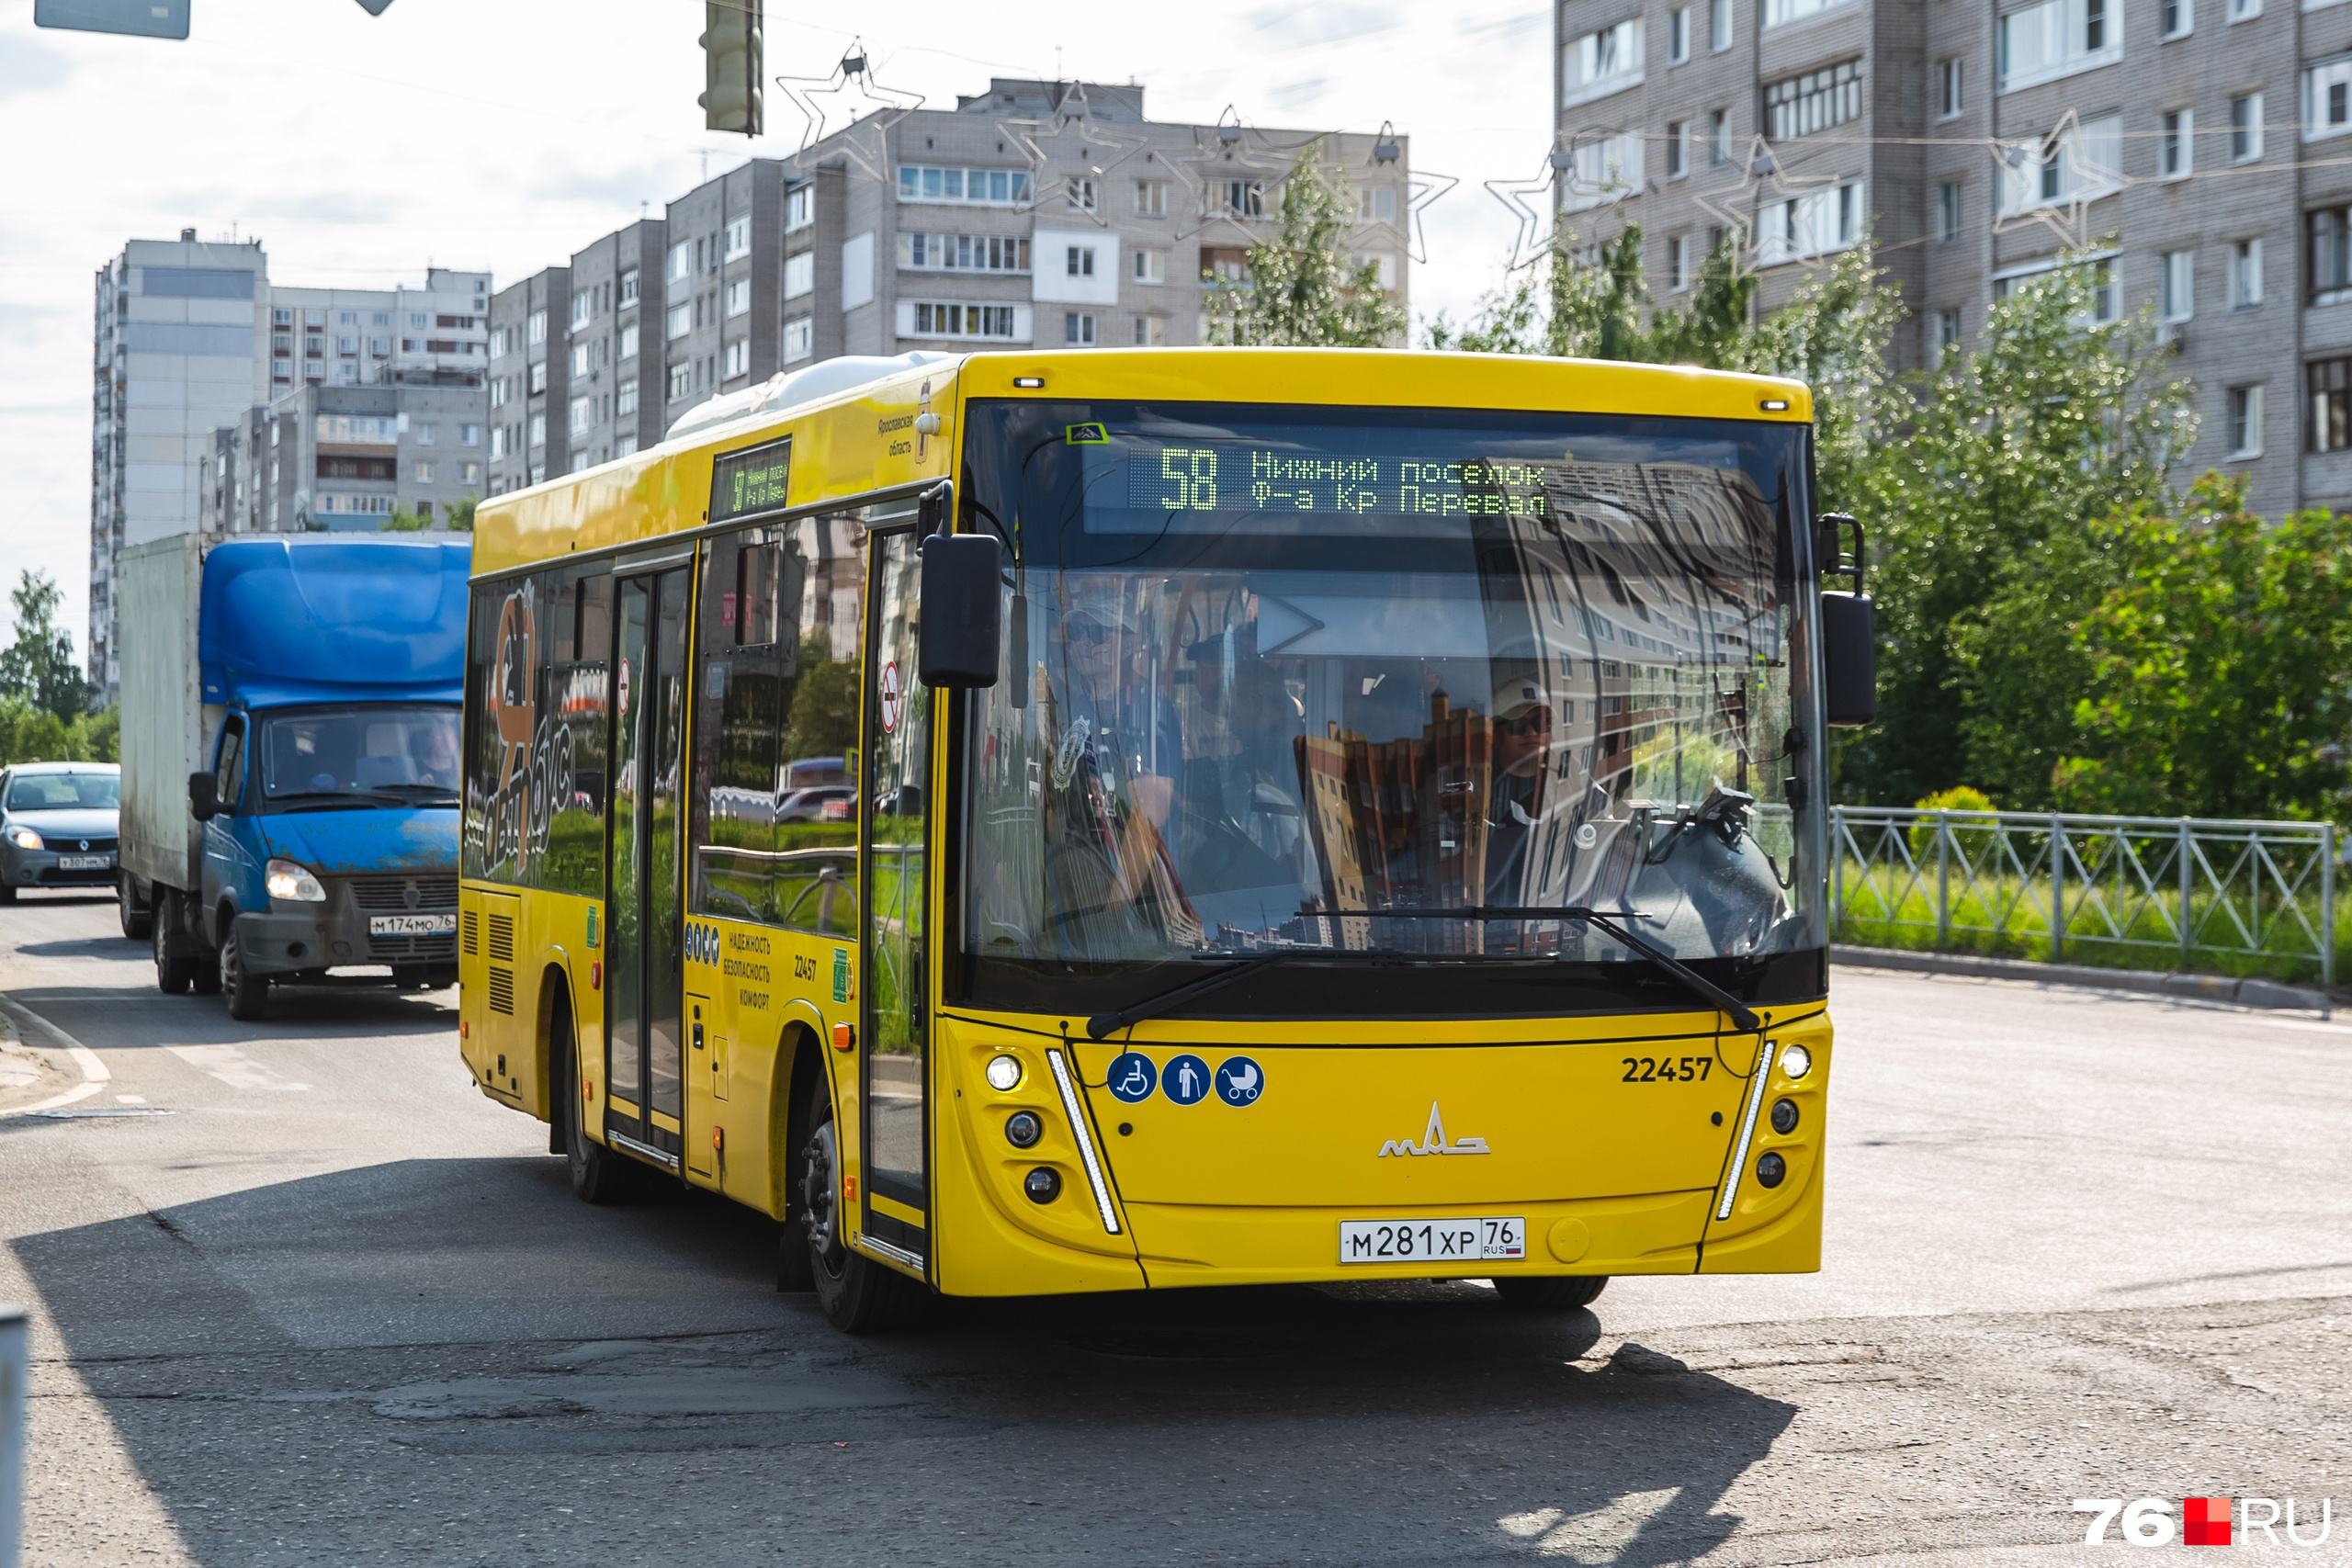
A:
(1795, 1062)
(294, 884)
(1772, 1170)
(1043, 1185)
(1004, 1072)
(24, 838)
(1022, 1129)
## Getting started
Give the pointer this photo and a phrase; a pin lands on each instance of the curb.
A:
(2198, 988)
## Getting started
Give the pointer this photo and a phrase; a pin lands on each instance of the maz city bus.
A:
(1309, 816)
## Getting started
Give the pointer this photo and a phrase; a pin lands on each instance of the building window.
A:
(584, 306)
(420, 318)
(2245, 10)
(628, 290)
(539, 429)
(1719, 25)
(540, 377)
(800, 207)
(423, 471)
(1817, 100)
(799, 338)
(681, 381)
(428, 435)
(1602, 171)
(739, 237)
(680, 321)
(681, 265)
(1150, 266)
(2245, 422)
(1238, 198)
(628, 340)
(1376, 204)
(1948, 95)
(1080, 261)
(943, 319)
(1678, 148)
(2179, 18)
(499, 342)
(739, 297)
(963, 253)
(1151, 331)
(2330, 381)
(2081, 165)
(2176, 285)
(536, 329)
(2055, 39)
(1080, 195)
(1078, 330)
(1813, 224)
(625, 399)
(2245, 128)
(2329, 235)
(1151, 199)
(1678, 262)
(1601, 62)
(2245, 275)
(379, 346)
(1779, 11)
(739, 358)
(1947, 211)
(1678, 35)
(2177, 149)
(470, 435)
(2327, 98)
(1947, 335)
(281, 317)
(498, 443)
(582, 354)
(970, 188)
(1718, 138)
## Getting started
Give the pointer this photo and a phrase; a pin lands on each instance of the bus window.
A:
(571, 762)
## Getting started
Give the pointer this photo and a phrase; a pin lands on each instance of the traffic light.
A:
(730, 47)
(140, 19)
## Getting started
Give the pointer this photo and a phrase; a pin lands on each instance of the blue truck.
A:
(291, 760)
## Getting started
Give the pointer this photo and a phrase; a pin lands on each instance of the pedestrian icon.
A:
(1239, 1082)
(1132, 1076)
(1185, 1079)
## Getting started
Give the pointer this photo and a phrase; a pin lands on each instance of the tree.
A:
(461, 515)
(1302, 291)
(39, 668)
(2220, 665)
(823, 722)
(403, 520)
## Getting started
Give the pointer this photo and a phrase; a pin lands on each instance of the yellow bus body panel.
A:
(1610, 1176)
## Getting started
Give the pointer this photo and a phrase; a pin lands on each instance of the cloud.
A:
(1322, 22)
(1299, 95)
(28, 65)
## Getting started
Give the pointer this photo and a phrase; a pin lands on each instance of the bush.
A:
(1958, 798)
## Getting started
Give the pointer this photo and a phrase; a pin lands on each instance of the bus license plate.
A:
(412, 925)
(84, 863)
(1431, 1241)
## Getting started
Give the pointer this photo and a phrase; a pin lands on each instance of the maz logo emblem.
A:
(1433, 1141)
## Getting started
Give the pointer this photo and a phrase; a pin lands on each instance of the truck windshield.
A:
(1385, 685)
(359, 756)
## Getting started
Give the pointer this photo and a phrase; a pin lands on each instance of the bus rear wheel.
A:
(858, 1295)
(1553, 1293)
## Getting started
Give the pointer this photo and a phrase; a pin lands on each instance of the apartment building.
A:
(353, 337)
(530, 381)
(611, 346)
(2190, 140)
(348, 458)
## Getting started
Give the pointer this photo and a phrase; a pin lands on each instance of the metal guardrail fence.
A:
(2181, 891)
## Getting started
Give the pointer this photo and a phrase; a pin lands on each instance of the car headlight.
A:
(294, 884)
(24, 838)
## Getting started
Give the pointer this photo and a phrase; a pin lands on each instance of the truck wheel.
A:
(8, 892)
(1556, 1293)
(859, 1295)
(173, 971)
(136, 917)
(248, 993)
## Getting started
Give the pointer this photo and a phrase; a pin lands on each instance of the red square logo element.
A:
(2205, 1521)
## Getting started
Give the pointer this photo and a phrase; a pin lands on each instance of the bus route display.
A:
(754, 480)
(1154, 480)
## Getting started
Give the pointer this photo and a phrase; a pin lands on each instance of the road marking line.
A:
(233, 1067)
(95, 1075)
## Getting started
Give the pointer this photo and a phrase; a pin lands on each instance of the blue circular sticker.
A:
(1132, 1078)
(1185, 1079)
(1239, 1082)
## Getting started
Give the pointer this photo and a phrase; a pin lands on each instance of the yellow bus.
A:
(1053, 822)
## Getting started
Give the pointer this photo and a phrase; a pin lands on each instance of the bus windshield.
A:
(1387, 685)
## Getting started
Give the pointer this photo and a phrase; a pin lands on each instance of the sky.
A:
(500, 135)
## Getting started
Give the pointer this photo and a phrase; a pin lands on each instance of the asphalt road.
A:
(316, 1302)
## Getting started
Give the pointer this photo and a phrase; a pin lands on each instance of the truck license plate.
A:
(412, 925)
(1431, 1241)
(84, 863)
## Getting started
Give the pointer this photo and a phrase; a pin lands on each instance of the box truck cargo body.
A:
(290, 759)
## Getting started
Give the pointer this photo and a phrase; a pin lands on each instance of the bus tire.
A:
(857, 1295)
(248, 993)
(598, 1176)
(1555, 1293)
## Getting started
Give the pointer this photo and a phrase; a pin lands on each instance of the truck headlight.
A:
(24, 838)
(294, 884)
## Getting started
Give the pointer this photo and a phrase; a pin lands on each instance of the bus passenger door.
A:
(644, 1065)
(893, 815)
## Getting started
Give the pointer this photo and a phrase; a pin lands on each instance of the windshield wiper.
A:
(339, 797)
(1103, 1023)
(1692, 980)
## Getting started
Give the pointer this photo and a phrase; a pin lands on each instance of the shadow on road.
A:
(478, 1330)
(86, 947)
(120, 1018)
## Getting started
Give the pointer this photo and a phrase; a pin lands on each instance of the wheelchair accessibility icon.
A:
(1133, 1077)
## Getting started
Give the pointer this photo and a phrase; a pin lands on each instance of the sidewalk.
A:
(2193, 987)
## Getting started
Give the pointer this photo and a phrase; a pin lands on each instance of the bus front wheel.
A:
(858, 1295)
(1555, 1293)
(598, 1176)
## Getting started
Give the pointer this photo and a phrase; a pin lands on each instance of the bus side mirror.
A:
(959, 632)
(1848, 660)
(203, 798)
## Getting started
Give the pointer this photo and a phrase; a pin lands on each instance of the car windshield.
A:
(363, 753)
(65, 792)
(1321, 679)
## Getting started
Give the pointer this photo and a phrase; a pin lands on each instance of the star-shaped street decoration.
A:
(1073, 117)
(1765, 181)
(1534, 233)
(1235, 151)
(1423, 188)
(820, 99)
(2052, 180)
